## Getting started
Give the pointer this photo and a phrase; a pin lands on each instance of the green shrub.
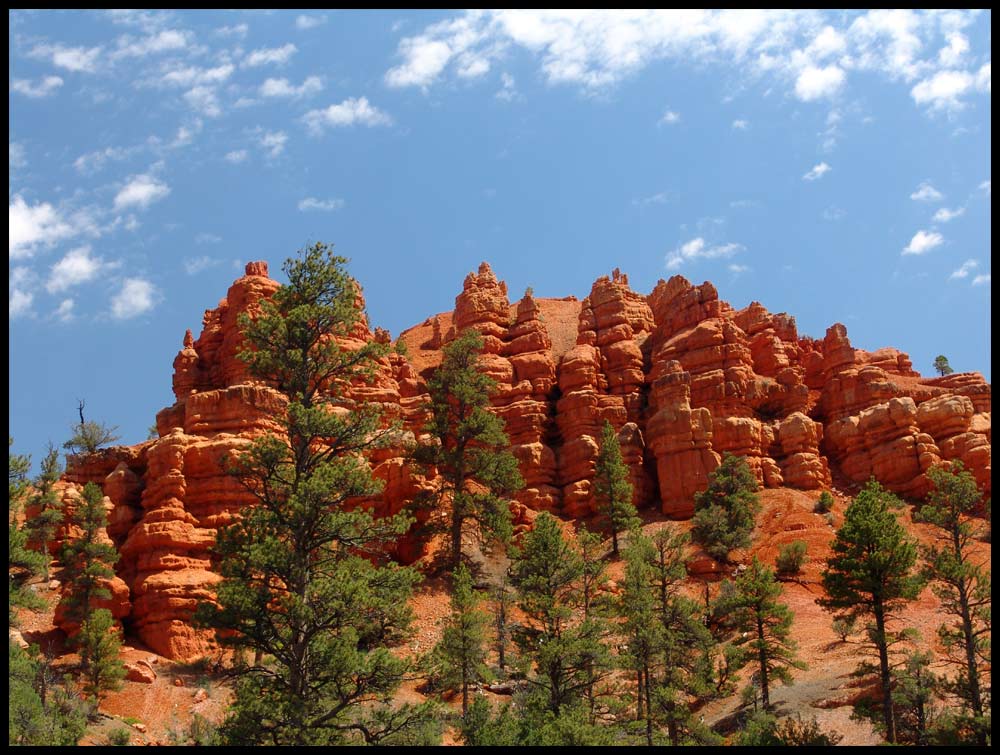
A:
(825, 502)
(844, 626)
(790, 559)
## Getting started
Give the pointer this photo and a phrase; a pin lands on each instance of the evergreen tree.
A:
(306, 585)
(43, 525)
(724, 513)
(941, 365)
(612, 488)
(639, 628)
(88, 559)
(763, 623)
(502, 600)
(871, 573)
(467, 447)
(568, 654)
(915, 688)
(39, 713)
(23, 563)
(963, 584)
(459, 658)
(88, 436)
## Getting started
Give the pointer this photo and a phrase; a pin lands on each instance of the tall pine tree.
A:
(871, 574)
(46, 505)
(962, 582)
(306, 584)
(612, 487)
(725, 512)
(468, 447)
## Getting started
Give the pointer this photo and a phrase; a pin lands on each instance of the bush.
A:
(828, 516)
(791, 558)
(844, 626)
(794, 732)
(825, 502)
(120, 738)
(726, 511)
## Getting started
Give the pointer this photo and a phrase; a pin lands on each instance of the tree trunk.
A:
(884, 673)
(762, 657)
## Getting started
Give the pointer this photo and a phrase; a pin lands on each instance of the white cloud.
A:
(282, 88)
(200, 264)
(185, 135)
(141, 191)
(827, 43)
(136, 297)
(29, 226)
(304, 23)
(349, 112)
(984, 78)
(273, 142)
(203, 100)
(952, 54)
(270, 55)
(237, 30)
(669, 118)
(78, 266)
(741, 125)
(986, 186)
(321, 205)
(944, 215)
(164, 41)
(76, 59)
(926, 193)
(237, 156)
(92, 162)
(963, 272)
(207, 238)
(923, 241)
(659, 198)
(43, 88)
(817, 172)
(188, 76)
(64, 313)
(508, 88)
(817, 83)
(18, 302)
(981, 280)
(737, 269)
(426, 59)
(696, 249)
(17, 157)
(943, 90)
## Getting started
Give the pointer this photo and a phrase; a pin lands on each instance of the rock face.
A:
(680, 375)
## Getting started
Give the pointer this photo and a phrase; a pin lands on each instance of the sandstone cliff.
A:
(681, 375)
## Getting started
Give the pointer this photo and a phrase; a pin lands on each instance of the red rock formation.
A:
(681, 376)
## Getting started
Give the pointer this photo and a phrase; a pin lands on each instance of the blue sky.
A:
(832, 165)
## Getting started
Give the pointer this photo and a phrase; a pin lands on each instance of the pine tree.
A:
(49, 510)
(612, 487)
(306, 585)
(568, 654)
(914, 690)
(88, 559)
(941, 365)
(459, 659)
(468, 447)
(23, 563)
(88, 436)
(963, 584)
(725, 512)
(750, 604)
(871, 573)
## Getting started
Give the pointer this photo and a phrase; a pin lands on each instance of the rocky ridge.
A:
(681, 375)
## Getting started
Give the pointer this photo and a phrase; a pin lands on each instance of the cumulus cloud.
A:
(45, 87)
(187, 76)
(167, 40)
(237, 30)
(981, 280)
(92, 162)
(320, 205)
(923, 241)
(270, 56)
(660, 197)
(18, 302)
(741, 125)
(141, 191)
(817, 172)
(304, 23)
(136, 296)
(64, 312)
(944, 215)
(943, 91)
(963, 272)
(348, 113)
(204, 100)
(508, 88)
(696, 249)
(16, 156)
(78, 266)
(926, 193)
(669, 118)
(737, 269)
(283, 88)
(986, 186)
(76, 59)
(819, 83)
(984, 79)
(237, 156)
(30, 226)
(273, 142)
